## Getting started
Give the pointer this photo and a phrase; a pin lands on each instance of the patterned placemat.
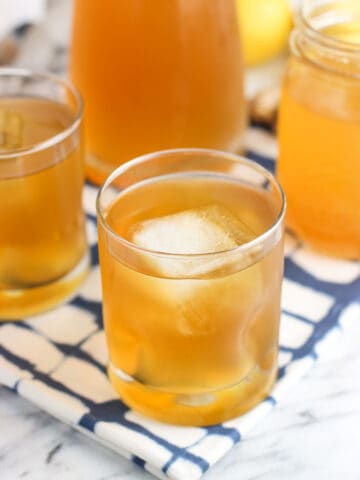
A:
(58, 360)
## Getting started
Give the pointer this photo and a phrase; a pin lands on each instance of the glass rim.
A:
(304, 22)
(183, 256)
(57, 138)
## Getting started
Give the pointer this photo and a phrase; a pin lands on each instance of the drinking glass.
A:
(191, 257)
(43, 250)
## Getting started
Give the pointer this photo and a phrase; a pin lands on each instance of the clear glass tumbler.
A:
(43, 249)
(191, 258)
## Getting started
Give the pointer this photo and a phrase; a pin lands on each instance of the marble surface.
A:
(313, 434)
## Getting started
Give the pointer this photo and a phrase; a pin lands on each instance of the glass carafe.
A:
(156, 75)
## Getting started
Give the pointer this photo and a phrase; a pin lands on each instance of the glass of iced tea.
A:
(156, 75)
(43, 250)
(319, 127)
(191, 256)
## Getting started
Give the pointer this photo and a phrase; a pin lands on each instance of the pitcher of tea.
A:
(157, 75)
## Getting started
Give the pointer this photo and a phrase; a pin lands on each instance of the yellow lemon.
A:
(265, 27)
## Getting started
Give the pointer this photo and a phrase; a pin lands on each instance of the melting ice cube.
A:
(202, 230)
(199, 230)
(11, 130)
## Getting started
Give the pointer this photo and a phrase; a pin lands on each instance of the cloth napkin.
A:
(57, 360)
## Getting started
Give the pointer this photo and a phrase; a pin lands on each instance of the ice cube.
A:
(11, 130)
(208, 229)
(195, 231)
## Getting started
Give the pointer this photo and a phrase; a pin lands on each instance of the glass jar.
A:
(157, 75)
(319, 127)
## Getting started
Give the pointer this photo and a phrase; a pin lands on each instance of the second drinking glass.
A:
(43, 249)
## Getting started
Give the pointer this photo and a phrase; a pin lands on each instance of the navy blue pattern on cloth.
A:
(58, 359)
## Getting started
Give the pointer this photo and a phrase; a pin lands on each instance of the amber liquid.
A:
(157, 75)
(319, 163)
(192, 351)
(42, 235)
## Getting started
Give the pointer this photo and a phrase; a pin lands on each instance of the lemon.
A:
(265, 27)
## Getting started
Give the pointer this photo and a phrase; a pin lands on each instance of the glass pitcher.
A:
(156, 75)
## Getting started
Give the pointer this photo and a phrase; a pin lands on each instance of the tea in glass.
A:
(43, 251)
(155, 75)
(191, 259)
(319, 128)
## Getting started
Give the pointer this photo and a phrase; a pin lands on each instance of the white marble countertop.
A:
(313, 434)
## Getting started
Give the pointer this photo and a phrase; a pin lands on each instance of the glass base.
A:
(198, 409)
(17, 304)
